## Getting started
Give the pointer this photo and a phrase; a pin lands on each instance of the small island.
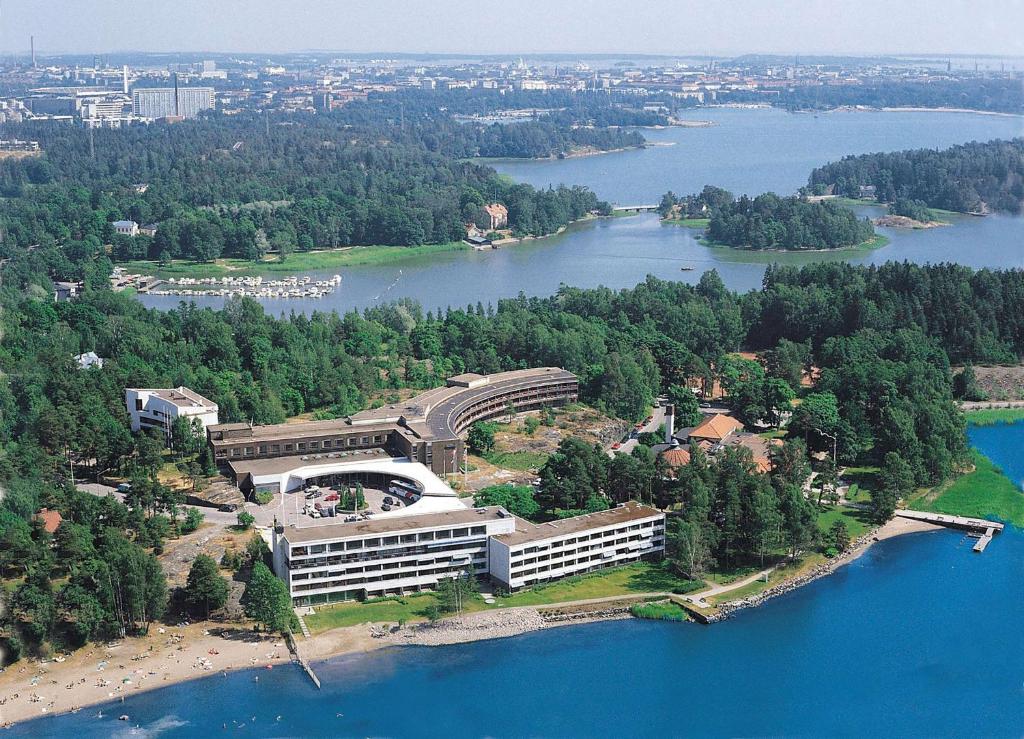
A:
(769, 221)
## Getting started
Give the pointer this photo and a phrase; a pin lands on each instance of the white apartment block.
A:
(156, 408)
(162, 102)
(386, 556)
(395, 555)
(537, 553)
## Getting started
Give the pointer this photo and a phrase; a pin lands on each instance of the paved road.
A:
(658, 418)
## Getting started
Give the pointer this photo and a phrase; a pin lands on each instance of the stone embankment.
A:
(857, 547)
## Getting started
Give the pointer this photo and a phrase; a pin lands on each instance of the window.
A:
(390, 540)
(444, 534)
(314, 445)
(275, 448)
(479, 530)
(338, 442)
(461, 532)
(408, 538)
(351, 441)
(138, 404)
(236, 452)
(302, 446)
(427, 536)
(353, 544)
(288, 447)
(370, 543)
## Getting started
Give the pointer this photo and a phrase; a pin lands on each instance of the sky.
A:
(675, 27)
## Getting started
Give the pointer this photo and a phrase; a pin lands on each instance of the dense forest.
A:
(239, 187)
(882, 337)
(772, 222)
(971, 178)
(1002, 95)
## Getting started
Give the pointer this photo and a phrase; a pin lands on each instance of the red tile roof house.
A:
(51, 519)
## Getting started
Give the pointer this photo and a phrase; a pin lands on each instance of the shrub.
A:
(264, 496)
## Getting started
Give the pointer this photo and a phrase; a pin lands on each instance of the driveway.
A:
(658, 418)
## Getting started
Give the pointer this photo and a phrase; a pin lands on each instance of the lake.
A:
(746, 150)
(918, 637)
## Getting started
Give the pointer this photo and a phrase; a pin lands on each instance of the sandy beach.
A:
(169, 655)
(101, 673)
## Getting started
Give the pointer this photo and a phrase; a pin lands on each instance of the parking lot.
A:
(296, 507)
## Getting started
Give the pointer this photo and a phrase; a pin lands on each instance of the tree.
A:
(245, 520)
(838, 536)
(574, 473)
(516, 499)
(205, 588)
(896, 480)
(266, 599)
(454, 593)
(149, 446)
(481, 437)
(192, 521)
(686, 406)
(689, 548)
(965, 385)
(256, 549)
(817, 415)
(827, 479)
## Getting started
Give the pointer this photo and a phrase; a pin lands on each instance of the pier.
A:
(977, 528)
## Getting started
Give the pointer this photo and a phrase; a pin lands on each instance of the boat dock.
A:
(976, 528)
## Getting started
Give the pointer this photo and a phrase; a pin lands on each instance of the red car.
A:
(616, 445)
(333, 496)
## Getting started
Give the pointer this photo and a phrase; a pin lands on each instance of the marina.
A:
(293, 286)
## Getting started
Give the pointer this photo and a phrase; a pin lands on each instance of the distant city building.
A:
(156, 408)
(159, 102)
(126, 228)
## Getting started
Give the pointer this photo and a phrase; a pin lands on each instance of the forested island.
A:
(769, 221)
(237, 187)
(998, 95)
(971, 178)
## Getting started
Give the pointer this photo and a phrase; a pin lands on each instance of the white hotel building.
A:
(398, 554)
(156, 408)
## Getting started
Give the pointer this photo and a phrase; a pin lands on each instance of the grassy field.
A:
(409, 608)
(857, 521)
(688, 222)
(297, 262)
(984, 493)
(994, 416)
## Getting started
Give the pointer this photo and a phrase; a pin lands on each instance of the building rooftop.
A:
(179, 396)
(716, 427)
(527, 532)
(395, 524)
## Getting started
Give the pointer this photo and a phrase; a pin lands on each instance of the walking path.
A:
(700, 598)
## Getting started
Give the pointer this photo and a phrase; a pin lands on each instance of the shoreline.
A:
(203, 650)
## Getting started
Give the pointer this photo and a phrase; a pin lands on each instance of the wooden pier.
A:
(978, 528)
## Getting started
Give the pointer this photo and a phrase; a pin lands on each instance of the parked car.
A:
(228, 507)
(616, 445)
(385, 507)
(124, 487)
(333, 496)
(388, 499)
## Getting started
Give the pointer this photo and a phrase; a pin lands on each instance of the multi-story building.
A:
(395, 555)
(425, 428)
(537, 553)
(126, 228)
(163, 102)
(156, 408)
(387, 556)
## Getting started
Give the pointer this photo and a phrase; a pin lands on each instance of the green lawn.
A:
(857, 521)
(984, 493)
(994, 416)
(517, 460)
(641, 577)
(295, 263)
(410, 608)
(688, 222)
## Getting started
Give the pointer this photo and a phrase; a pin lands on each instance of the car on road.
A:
(616, 445)
(124, 487)
(385, 507)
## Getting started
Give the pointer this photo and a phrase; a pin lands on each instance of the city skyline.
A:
(527, 27)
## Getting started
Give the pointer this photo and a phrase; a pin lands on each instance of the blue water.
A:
(919, 637)
(1004, 445)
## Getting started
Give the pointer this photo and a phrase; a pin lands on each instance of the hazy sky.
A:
(518, 26)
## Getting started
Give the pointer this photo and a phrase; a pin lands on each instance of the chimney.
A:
(175, 94)
(32, 44)
(670, 423)
(124, 79)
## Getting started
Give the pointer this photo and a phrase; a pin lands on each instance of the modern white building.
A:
(156, 408)
(385, 556)
(163, 102)
(537, 553)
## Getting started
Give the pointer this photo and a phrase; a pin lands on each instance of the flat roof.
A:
(527, 532)
(280, 465)
(331, 531)
(428, 415)
(182, 397)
